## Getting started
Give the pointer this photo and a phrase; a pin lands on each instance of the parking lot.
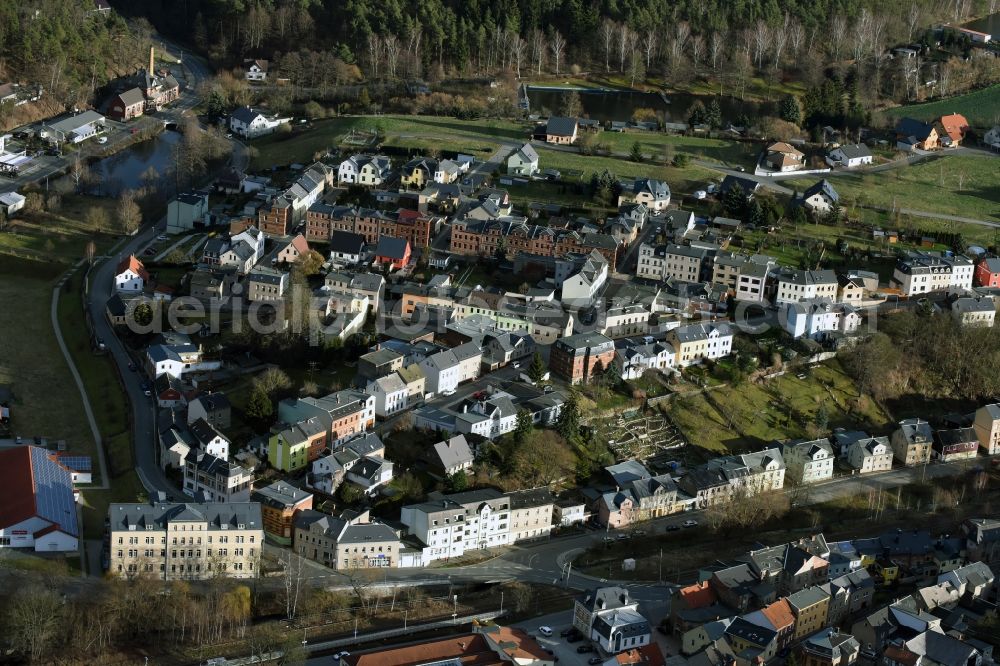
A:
(561, 646)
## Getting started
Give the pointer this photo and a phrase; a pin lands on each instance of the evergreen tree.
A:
(735, 200)
(790, 111)
(458, 481)
(636, 154)
(697, 115)
(259, 406)
(822, 417)
(568, 424)
(713, 114)
(537, 368)
(523, 428)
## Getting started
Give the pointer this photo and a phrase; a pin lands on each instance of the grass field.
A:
(961, 185)
(658, 145)
(680, 180)
(750, 416)
(981, 108)
(480, 137)
(34, 252)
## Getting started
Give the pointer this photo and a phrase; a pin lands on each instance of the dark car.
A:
(131, 366)
(672, 528)
(583, 649)
(566, 632)
(595, 660)
(574, 638)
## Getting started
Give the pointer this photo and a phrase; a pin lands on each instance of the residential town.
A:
(334, 369)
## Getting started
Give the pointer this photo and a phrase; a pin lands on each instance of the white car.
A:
(689, 523)
(163, 237)
(102, 139)
(545, 631)
(700, 194)
(448, 392)
(340, 655)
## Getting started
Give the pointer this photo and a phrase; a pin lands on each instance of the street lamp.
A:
(454, 614)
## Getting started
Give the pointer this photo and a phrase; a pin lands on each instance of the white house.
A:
(447, 172)
(490, 418)
(208, 439)
(186, 209)
(620, 630)
(820, 198)
(39, 507)
(849, 156)
(253, 237)
(11, 202)
(364, 170)
(250, 123)
(177, 358)
(370, 472)
(73, 129)
(346, 248)
(453, 455)
(793, 286)
(992, 138)
(257, 70)
(441, 371)
(923, 272)
(632, 361)
(130, 276)
(579, 289)
(654, 194)
(390, 395)
(523, 161)
(816, 318)
(808, 461)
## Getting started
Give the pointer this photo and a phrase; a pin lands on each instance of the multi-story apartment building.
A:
(923, 272)
(531, 513)
(279, 503)
(809, 461)
(513, 235)
(912, 442)
(322, 220)
(677, 262)
(452, 525)
(347, 542)
(172, 541)
(292, 446)
(698, 341)
(870, 454)
(956, 444)
(810, 607)
(576, 358)
(213, 479)
(987, 425)
(794, 286)
(343, 414)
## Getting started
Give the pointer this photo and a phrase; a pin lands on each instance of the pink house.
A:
(616, 509)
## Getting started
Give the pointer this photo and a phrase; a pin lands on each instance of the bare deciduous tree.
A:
(391, 47)
(558, 46)
(697, 47)
(538, 49)
(518, 48)
(761, 35)
(716, 45)
(649, 39)
(838, 33)
(129, 213)
(608, 31)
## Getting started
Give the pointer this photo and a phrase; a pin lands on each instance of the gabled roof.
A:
(954, 126)
(132, 96)
(527, 153)
(33, 483)
(909, 127)
(454, 451)
(824, 188)
(132, 264)
(561, 126)
(390, 247)
(346, 242)
(854, 151)
(204, 432)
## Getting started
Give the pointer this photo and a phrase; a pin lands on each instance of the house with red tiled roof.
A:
(490, 645)
(37, 505)
(130, 276)
(952, 129)
(778, 617)
(515, 646)
(647, 655)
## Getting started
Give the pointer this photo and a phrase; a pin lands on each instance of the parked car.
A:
(583, 649)
(574, 638)
(545, 631)
(340, 655)
(640, 533)
(566, 632)
(671, 528)
(131, 366)
(623, 537)
(596, 660)
(102, 140)
(163, 237)
(689, 523)
(700, 194)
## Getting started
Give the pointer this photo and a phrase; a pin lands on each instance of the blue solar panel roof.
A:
(76, 463)
(53, 491)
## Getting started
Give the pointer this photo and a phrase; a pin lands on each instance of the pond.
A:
(125, 170)
(988, 24)
(607, 105)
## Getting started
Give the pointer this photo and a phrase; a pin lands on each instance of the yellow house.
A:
(417, 173)
(886, 570)
(810, 607)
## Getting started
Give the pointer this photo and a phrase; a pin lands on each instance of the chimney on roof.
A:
(150, 70)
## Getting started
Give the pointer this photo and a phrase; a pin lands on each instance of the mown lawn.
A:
(961, 185)
(682, 180)
(659, 145)
(749, 416)
(981, 108)
(479, 137)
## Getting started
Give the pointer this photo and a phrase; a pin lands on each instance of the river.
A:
(607, 105)
(125, 170)
(988, 24)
